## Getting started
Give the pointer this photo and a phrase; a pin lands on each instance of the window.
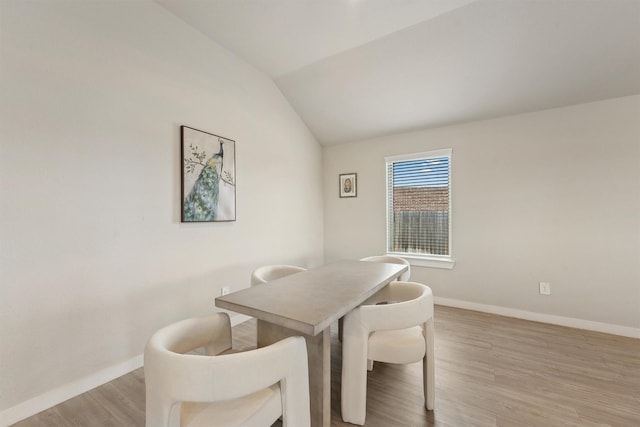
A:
(419, 208)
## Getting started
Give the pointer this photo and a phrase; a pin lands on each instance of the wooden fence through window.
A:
(421, 232)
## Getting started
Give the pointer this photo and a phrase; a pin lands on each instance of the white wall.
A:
(93, 256)
(548, 196)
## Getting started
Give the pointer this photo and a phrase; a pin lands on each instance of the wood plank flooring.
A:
(490, 371)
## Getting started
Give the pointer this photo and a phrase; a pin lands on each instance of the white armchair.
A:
(392, 260)
(393, 326)
(252, 388)
(268, 273)
(381, 258)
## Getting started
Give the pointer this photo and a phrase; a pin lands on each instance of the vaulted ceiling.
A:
(356, 69)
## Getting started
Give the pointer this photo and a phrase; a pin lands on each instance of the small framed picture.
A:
(348, 185)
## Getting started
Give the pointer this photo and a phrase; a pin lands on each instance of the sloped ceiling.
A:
(356, 69)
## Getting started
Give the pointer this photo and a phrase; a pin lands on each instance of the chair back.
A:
(392, 260)
(398, 305)
(173, 377)
(268, 273)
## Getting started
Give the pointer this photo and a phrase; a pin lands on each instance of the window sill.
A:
(446, 263)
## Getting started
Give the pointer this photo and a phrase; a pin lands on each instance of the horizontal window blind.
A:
(418, 205)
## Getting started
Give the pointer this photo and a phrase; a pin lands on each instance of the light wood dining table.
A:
(306, 304)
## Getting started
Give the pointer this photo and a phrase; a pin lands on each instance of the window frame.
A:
(422, 260)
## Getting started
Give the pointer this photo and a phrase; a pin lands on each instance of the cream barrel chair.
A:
(393, 326)
(252, 388)
(392, 260)
(268, 273)
(381, 258)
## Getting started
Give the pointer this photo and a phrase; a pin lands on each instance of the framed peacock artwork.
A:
(208, 176)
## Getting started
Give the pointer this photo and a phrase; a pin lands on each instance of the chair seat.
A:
(251, 410)
(397, 346)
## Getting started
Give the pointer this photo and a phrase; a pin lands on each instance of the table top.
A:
(311, 300)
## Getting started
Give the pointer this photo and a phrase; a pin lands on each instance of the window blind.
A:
(418, 199)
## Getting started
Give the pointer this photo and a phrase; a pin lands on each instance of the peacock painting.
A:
(208, 184)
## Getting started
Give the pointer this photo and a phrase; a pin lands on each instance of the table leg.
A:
(319, 354)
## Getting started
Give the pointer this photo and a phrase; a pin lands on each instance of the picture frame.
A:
(348, 185)
(208, 191)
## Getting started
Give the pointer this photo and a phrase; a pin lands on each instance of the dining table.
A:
(306, 304)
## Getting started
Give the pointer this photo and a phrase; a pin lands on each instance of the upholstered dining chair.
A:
(268, 273)
(392, 260)
(381, 258)
(190, 381)
(393, 326)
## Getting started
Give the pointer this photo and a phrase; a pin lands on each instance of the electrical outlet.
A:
(545, 288)
(225, 290)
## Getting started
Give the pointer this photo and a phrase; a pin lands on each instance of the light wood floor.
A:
(490, 371)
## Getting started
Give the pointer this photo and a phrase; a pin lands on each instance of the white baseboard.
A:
(54, 397)
(67, 391)
(608, 328)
